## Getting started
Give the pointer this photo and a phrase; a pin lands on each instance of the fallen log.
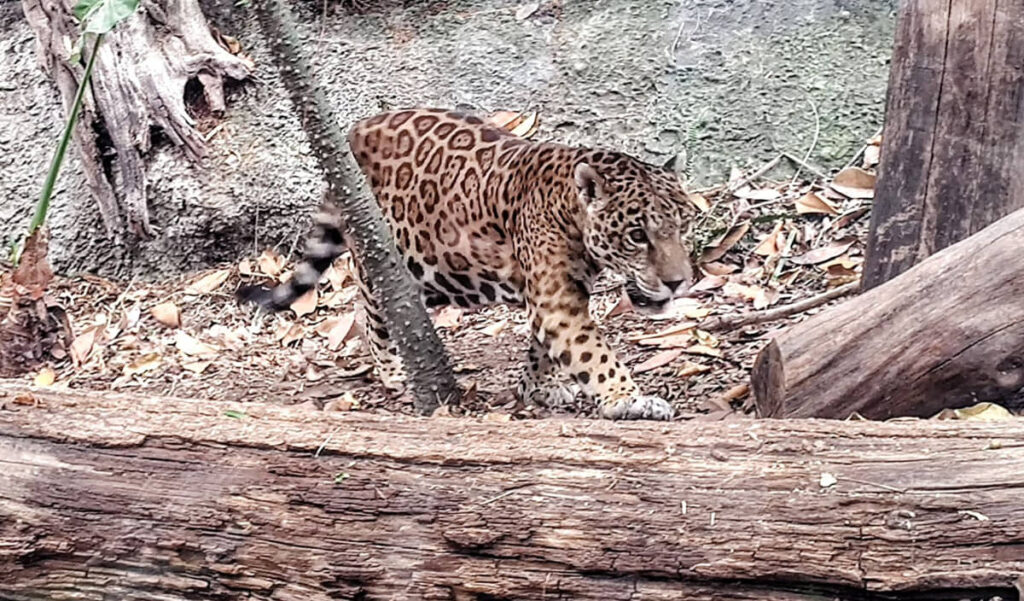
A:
(947, 333)
(109, 496)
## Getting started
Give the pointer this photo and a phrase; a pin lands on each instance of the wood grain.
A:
(108, 496)
(947, 333)
(952, 157)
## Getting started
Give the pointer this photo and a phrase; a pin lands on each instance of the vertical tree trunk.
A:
(953, 147)
(430, 376)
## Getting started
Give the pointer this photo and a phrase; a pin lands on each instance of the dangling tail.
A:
(323, 246)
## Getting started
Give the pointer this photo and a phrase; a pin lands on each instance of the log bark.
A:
(947, 333)
(106, 496)
(138, 83)
(953, 147)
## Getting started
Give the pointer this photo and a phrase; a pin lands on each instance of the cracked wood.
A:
(116, 496)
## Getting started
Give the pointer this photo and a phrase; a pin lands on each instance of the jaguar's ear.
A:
(670, 164)
(589, 186)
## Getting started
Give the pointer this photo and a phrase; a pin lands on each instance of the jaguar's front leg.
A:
(561, 322)
(542, 382)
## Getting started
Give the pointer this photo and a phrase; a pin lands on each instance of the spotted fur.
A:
(481, 216)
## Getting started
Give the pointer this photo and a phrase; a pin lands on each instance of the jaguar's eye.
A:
(638, 235)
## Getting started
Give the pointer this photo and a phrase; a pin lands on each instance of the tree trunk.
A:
(138, 83)
(947, 333)
(123, 497)
(431, 380)
(953, 147)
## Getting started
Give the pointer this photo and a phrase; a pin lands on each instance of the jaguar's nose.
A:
(674, 284)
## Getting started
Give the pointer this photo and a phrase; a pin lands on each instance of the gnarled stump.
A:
(138, 82)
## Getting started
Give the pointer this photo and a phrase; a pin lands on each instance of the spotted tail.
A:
(324, 245)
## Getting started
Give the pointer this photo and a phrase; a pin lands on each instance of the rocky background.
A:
(725, 82)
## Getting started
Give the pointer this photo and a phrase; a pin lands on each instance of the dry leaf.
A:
(744, 291)
(341, 331)
(167, 314)
(505, 119)
(982, 412)
(347, 402)
(83, 344)
(735, 393)
(527, 127)
(498, 417)
(208, 283)
(813, 203)
(658, 360)
(448, 317)
(872, 155)
(673, 341)
(245, 267)
(699, 201)
(287, 332)
(716, 268)
(700, 349)
(526, 10)
(705, 338)
(690, 368)
(709, 282)
(845, 261)
(145, 363)
(716, 250)
(735, 175)
(305, 304)
(196, 366)
(192, 346)
(270, 263)
(759, 194)
(338, 277)
(623, 306)
(772, 244)
(682, 328)
(496, 328)
(854, 182)
(45, 378)
(826, 253)
(33, 272)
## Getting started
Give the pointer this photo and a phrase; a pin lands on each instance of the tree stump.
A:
(952, 157)
(947, 333)
(139, 82)
(123, 497)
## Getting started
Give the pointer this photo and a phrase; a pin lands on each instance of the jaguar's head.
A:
(637, 224)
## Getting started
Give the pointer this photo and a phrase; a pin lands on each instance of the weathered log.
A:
(108, 496)
(953, 146)
(947, 333)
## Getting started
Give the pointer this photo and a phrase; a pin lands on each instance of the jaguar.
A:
(481, 216)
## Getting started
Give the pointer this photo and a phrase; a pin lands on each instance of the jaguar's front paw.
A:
(550, 395)
(638, 407)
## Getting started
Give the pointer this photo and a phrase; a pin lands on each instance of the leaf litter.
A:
(764, 244)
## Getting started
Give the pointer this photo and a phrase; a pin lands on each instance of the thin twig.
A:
(805, 165)
(743, 181)
(732, 322)
(814, 141)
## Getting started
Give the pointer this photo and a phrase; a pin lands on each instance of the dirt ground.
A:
(724, 83)
(764, 242)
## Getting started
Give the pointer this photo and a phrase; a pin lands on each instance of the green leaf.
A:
(340, 477)
(100, 16)
(234, 414)
(83, 8)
